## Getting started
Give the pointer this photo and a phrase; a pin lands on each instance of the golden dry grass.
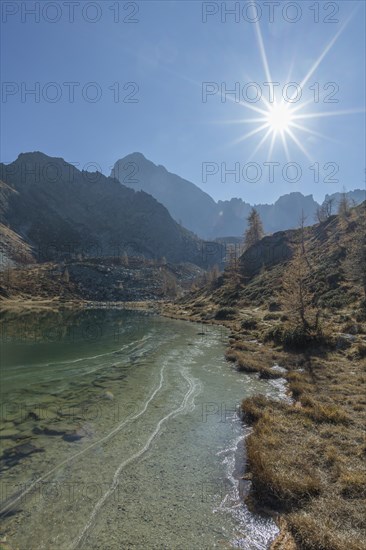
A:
(307, 459)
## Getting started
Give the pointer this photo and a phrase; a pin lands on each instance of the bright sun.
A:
(279, 118)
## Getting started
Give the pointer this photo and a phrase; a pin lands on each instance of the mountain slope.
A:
(186, 202)
(262, 267)
(62, 212)
(285, 213)
(197, 211)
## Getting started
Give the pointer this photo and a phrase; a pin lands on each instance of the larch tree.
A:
(124, 259)
(66, 276)
(355, 264)
(254, 232)
(297, 297)
(344, 206)
(302, 221)
(324, 211)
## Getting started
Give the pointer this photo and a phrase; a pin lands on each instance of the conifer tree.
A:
(254, 232)
(297, 297)
(355, 264)
(344, 206)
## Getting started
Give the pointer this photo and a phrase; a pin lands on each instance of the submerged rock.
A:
(107, 395)
(72, 437)
(52, 429)
(12, 457)
(9, 433)
(76, 435)
(277, 368)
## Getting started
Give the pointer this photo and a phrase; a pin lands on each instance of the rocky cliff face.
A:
(62, 212)
(269, 252)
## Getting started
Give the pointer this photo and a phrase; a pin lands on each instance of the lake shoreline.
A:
(301, 453)
(291, 490)
(54, 304)
(166, 309)
(284, 540)
(202, 366)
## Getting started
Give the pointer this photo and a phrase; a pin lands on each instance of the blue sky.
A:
(168, 53)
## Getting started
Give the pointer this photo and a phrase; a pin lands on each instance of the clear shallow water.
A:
(120, 430)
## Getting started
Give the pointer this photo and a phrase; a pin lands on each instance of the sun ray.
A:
(239, 121)
(250, 106)
(249, 79)
(247, 105)
(271, 146)
(290, 69)
(262, 141)
(299, 144)
(263, 57)
(285, 146)
(312, 132)
(324, 52)
(249, 134)
(304, 104)
(329, 114)
(262, 51)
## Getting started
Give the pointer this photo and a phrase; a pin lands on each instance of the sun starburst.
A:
(279, 119)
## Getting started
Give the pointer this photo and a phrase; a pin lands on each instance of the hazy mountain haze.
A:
(198, 211)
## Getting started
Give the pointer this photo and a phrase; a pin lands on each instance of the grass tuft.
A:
(226, 313)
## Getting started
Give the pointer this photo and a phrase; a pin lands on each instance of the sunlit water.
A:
(120, 431)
